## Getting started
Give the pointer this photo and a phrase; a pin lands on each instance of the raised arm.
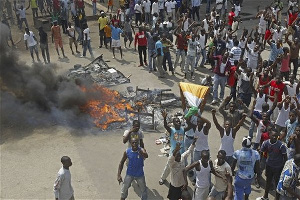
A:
(239, 124)
(207, 125)
(218, 126)
(167, 127)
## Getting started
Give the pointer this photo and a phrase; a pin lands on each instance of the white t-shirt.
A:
(252, 59)
(29, 38)
(22, 13)
(138, 8)
(220, 184)
(86, 32)
(147, 6)
(192, 47)
(161, 4)
(237, 9)
(168, 5)
(205, 25)
(71, 31)
(202, 41)
(154, 8)
(173, 4)
(262, 21)
(222, 67)
(219, 6)
(291, 90)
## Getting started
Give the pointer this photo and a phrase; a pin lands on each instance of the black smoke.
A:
(35, 96)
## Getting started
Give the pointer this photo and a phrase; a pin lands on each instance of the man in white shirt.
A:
(168, 6)
(177, 165)
(173, 7)
(22, 12)
(235, 52)
(191, 55)
(221, 168)
(31, 43)
(147, 9)
(63, 189)
(138, 13)
(161, 7)
(196, 9)
(155, 8)
(87, 41)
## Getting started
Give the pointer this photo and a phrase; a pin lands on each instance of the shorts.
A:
(128, 36)
(174, 192)
(262, 29)
(58, 42)
(33, 48)
(242, 186)
(217, 195)
(72, 40)
(115, 43)
(201, 193)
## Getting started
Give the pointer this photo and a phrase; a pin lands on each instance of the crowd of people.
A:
(234, 55)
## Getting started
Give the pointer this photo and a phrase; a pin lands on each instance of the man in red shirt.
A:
(141, 40)
(232, 80)
(181, 46)
(231, 15)
(275, 85)
(79, 5)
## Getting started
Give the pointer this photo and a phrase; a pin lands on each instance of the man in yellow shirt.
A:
(102, 23)
(34, 7)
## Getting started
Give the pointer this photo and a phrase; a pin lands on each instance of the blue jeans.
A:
(208, 6)
(203, 53)
(94, 8)
(242, 186)
(180, 53)
(187, 143)
(151, 64)
(78, 30)
(127, 183)
(219, 80)
(167, 57)
(87, 46)
(251, 129)
(190, 60)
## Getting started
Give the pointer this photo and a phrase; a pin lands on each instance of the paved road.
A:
(30, 160)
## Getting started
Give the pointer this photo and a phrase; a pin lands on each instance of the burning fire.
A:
(106, 107)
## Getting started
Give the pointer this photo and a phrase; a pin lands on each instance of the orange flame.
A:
(105, 108)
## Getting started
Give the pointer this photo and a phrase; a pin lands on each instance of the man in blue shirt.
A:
(176, 134)
(276, 50)
(135, 169)
(115, 35)
(277, 155)
(247, 161)
(289, 178)
(159, 56)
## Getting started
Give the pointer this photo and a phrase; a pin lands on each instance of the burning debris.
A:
(99, 72)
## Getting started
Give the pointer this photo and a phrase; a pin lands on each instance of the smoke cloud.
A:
(35, 96)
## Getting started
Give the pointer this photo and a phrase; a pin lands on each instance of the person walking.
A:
(57, 39)
(72, 38)
(151, 51)
(22, 16)
(141, 39)
(247, 161)
(63, 189)
(94, 7)
(31, 43)
(86, 41)
(44, 45)
(135, 169)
